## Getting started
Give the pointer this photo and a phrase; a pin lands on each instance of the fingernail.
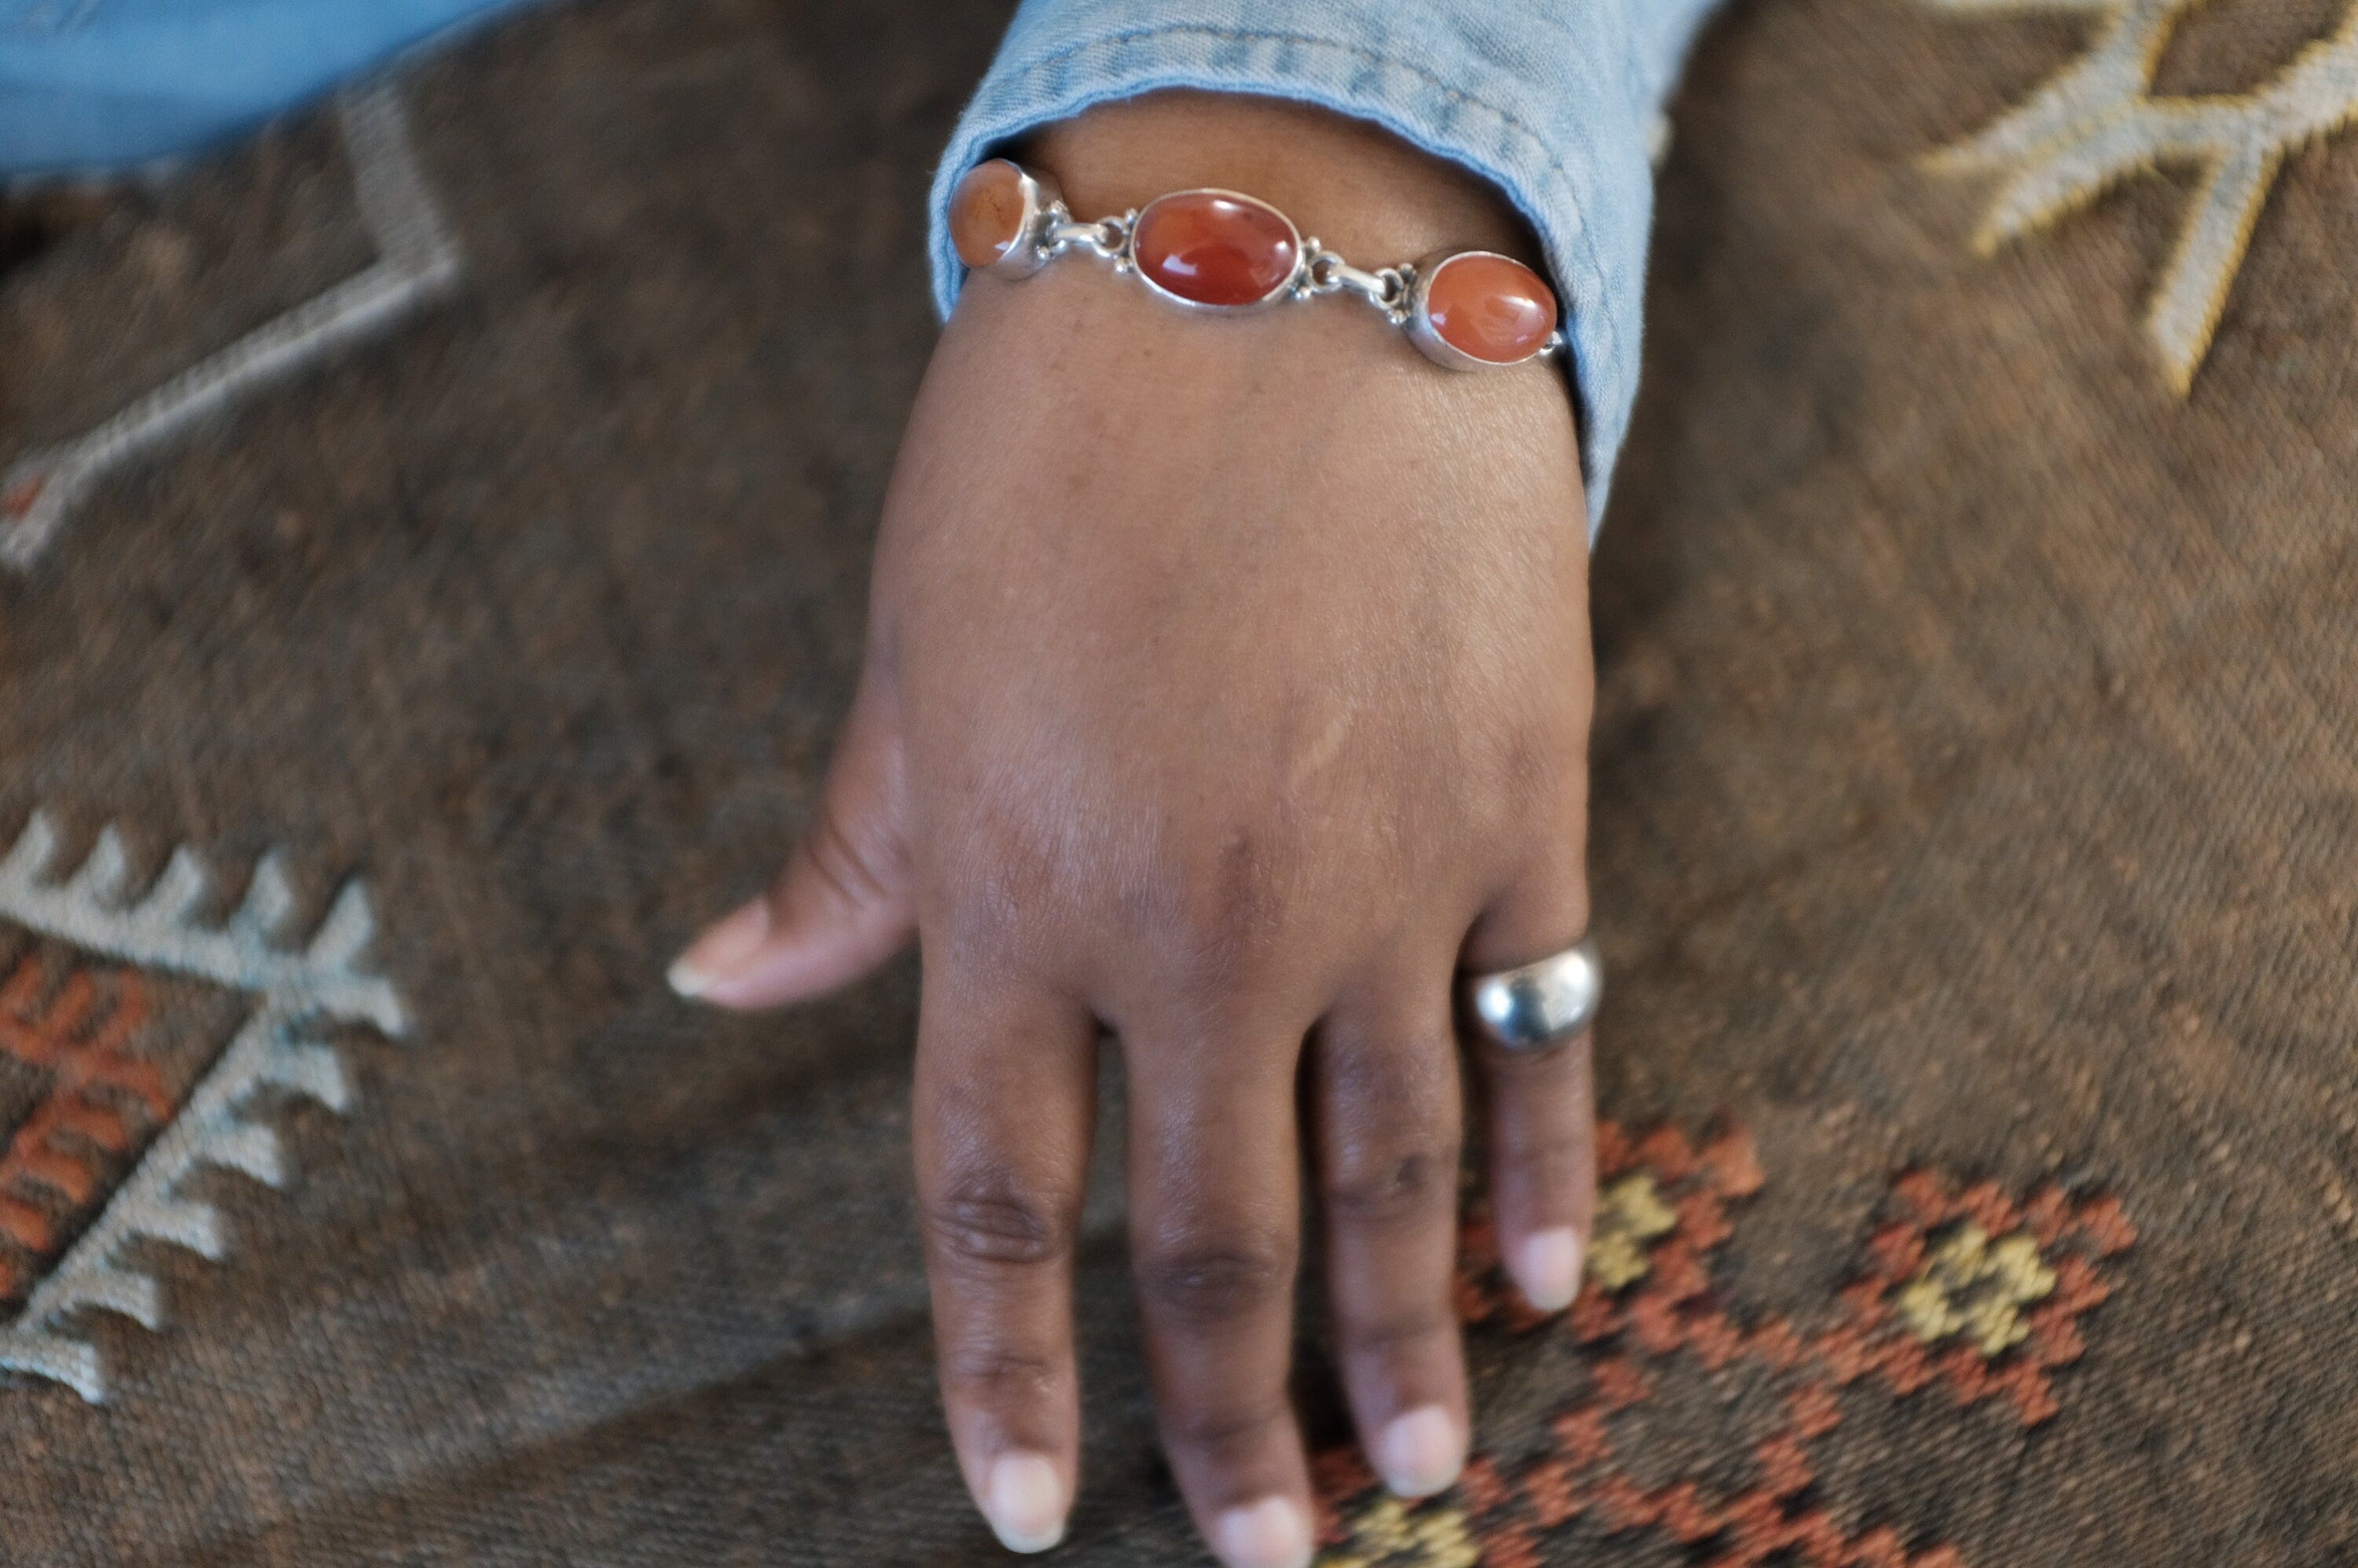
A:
(1271, 1533)
(1421, 1453)
(1547, 1266)
(717, 954)
(1025, 1502)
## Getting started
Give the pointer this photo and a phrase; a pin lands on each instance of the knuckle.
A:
(997, 1375)
(1415, 1081)
(1386, 1187)
(1398, 1332)
(1213, 1282)
(994, 1222)
(1220, 1432)
(1532, 768)
(1533, 778)
(1549, 1161)
(860, 868)
(1392, 1148)
(1013, 872)
(1224, 905)
(1539, 802)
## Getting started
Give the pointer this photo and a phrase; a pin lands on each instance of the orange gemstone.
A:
(1210, 248)
(1489, 308)
(987, 211)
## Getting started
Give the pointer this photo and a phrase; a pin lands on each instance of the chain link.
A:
(1325, 272)
(1108, 239)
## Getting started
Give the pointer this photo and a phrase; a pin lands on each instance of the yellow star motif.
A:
(2098, 123)
(1387, 1535)
(1629, 1213)
(1976, 1287)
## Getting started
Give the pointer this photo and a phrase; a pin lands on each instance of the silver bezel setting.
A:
(1286, 287)
(1041, 200)
(1439, 350)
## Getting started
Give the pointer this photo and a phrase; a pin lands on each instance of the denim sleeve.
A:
(1556, 101)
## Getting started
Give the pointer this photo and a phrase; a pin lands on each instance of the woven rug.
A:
(1975, 835)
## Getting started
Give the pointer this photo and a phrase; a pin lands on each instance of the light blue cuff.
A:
(1554, 102)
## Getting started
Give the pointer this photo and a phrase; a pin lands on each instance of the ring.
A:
(1538, 1004)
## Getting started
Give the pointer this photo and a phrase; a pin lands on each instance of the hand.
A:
(1227, 687)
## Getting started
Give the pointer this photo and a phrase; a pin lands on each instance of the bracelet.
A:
(1217, 251)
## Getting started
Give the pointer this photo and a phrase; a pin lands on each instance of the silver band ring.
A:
(1539, 1004)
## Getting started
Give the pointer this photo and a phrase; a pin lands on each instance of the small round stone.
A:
(1211, 247)
(1489, 308)
(988, 213)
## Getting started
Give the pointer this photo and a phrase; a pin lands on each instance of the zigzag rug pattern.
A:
(295, 993)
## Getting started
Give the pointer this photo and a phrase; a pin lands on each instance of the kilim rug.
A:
(453, 514)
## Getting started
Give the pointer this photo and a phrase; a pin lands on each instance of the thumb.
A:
(843, 903)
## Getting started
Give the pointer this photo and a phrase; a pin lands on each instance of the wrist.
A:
(1359, 188)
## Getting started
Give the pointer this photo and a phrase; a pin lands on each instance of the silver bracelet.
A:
(1220, 252)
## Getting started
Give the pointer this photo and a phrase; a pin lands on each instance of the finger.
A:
(1214, 1236)
(1539, 1105)
(1390, 1121)
(844, 902)
(1005, 1095)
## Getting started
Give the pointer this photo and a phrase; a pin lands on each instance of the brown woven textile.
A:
(1974, 835)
